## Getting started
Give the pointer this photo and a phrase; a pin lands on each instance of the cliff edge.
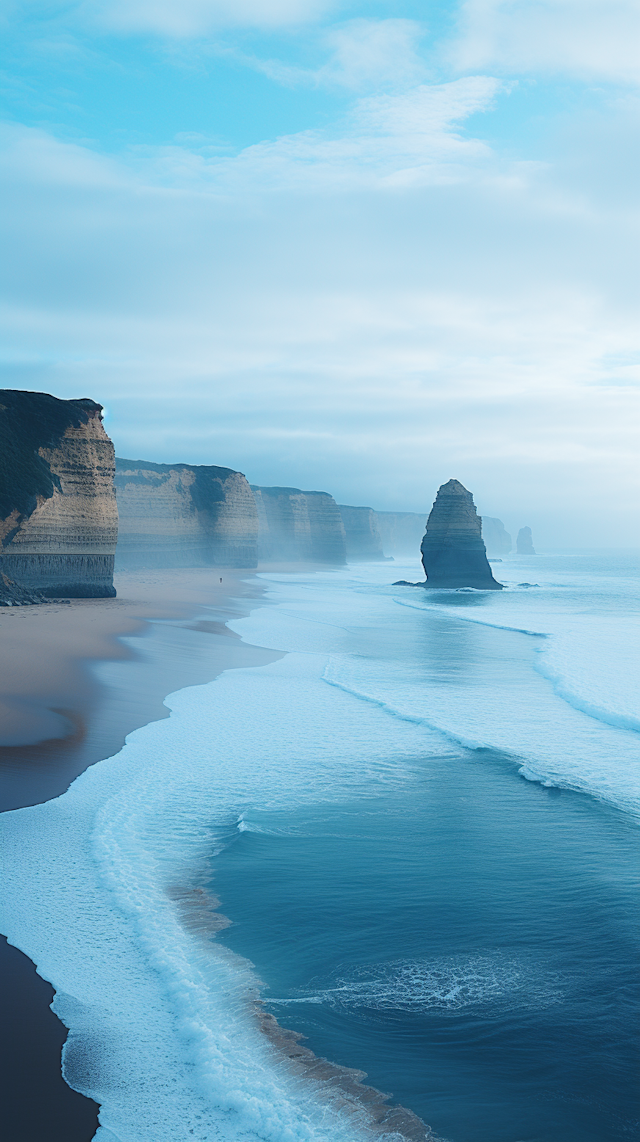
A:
(299, 527)
(184, 515)
(363, 539)
(58, 516)
(453, 552)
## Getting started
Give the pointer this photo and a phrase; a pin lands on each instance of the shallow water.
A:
(461, 933)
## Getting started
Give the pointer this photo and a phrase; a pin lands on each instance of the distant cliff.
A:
(524, 542)
(496, 539)
(184, 515)
(453, 554)
(363, 539)
(297, 526)
(401, 532)
(58, 517)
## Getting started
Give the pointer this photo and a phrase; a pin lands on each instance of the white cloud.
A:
(588, 39)
(370, 311)
(188, 18)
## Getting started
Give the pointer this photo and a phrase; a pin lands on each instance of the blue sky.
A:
(357, 247)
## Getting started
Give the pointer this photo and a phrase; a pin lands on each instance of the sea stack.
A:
(58, 516)
(524, 542)
(453, 552)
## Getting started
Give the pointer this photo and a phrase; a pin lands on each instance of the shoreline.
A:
(58, 717)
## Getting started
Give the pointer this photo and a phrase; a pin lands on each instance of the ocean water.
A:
(422, 825)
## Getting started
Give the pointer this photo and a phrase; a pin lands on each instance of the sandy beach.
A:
(58, 716)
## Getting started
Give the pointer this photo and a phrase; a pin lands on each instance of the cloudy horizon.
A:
(361, 248)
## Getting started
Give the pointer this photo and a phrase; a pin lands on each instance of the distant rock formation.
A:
(524, 542)
(184, 515)
(58, 516)
(453, 554)
(362, 536)
(401, 532)
(496, 539)
(297, 526)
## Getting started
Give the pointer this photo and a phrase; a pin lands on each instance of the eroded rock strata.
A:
(453, 552)
(363, 540)
(58, 516)
(524, 542)
(297, 526)
(496, 538)
(184, 515)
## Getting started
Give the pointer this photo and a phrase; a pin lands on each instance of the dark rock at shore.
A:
(453, 552)
(524, 542)
(13, 595)
(58, 516)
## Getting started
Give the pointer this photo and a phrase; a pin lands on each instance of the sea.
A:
(411, 840)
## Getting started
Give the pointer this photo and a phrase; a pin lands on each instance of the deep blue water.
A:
(473, 947)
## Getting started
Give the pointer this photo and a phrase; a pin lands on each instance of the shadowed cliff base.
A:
(453, 552)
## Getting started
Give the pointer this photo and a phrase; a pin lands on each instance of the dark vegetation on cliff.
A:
(29, 421)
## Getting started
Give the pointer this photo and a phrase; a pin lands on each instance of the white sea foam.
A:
(97, 882)
(447, 984)
(162, 1032)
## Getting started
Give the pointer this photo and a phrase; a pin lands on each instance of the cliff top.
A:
(286, 491)
(30, 421)
(123, 465)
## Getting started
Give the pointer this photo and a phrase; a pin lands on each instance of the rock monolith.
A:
(524, 542)
(453, 552)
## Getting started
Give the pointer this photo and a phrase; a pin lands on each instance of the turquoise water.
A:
(421, 821)
(471, 940)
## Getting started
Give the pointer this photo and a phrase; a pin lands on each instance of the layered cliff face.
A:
(496, 539)
(453, 554)
(58, 516)
(363, 540)
(297, 526)
(401, 532)
(184, 515)
(524, 542)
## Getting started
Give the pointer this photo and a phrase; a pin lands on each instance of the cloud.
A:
(193, 18)
(588, 39)
(385, 141)
(370, 309)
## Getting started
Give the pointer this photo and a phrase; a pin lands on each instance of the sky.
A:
(355, 247)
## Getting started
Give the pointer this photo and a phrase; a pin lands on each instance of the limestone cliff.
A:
(524, 542)
(297, 526)
(401, 532)
(58, 517)
(453, 554)
(184, 515)
(496, 539)
(361, 531)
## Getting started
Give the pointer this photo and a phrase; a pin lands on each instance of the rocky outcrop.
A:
(453, 554)
(297, 526)
(363, 541)
(401, 532)
(184, 515)
(58, 516)
(524, 542)
(496, 539)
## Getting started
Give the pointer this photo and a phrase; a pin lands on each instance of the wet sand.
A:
(75, 679)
